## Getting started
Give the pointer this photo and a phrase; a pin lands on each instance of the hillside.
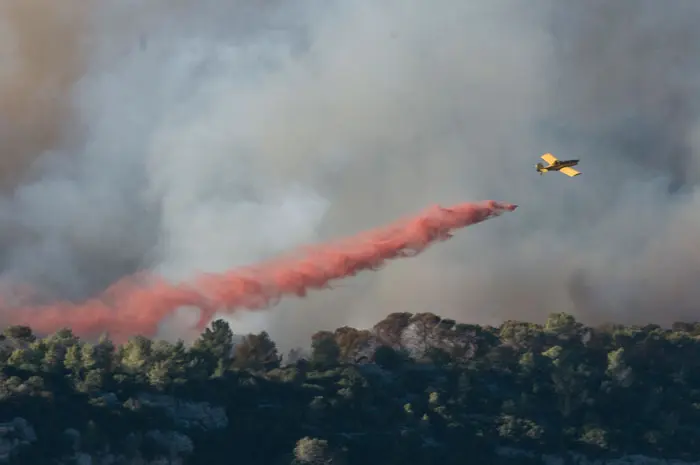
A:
(414, 389)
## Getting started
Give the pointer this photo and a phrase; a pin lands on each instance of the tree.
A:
(53, 357)
(595, 437)
(617, 369)
(169, 364)
(55, 349)
(25, 359)
(389, 331)
(256, 352)
(88, 356)
(422, 334)
(20, 333)
(158, 375)
(312, 451)
(563, 326)
(134, 356)
(624, 389)
(324, 349)
(295, 355)
(178, 361)
(64, 336)
(463, 387)
(318, 409)
(93, 381)
(217, 340)
(73, 359)
(104, 353)
(568, 379)
(464, 341)
(34, 384)
(353, 343)
(523, 336)
(388, 358)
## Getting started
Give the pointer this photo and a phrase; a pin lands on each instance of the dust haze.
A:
(189, 137)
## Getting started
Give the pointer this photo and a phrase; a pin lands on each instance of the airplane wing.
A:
(569, 171)
(549, 158)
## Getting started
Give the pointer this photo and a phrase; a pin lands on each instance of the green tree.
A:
(525, 336)
(159, 374)
(73, 360)
(217, 340)
(19, 333)
(618, 370)
(568, 378)
(563, 326)
(53, 357)
(324, 349)
(26, 359)
(134, 356)
(104, 353)
(87, 355)
(92, 382)
(388, 358)
(256, 352)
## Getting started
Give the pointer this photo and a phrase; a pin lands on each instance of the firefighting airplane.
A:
(553, 164)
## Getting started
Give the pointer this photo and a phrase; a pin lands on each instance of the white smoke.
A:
(210, 135)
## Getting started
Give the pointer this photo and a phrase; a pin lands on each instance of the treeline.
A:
(416, 388)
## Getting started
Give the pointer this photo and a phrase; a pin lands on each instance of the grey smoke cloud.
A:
(40, 58)
(211, 136)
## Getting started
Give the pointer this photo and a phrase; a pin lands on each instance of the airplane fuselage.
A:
(556, 166)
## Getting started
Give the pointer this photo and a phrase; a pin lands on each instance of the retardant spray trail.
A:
(137, 304)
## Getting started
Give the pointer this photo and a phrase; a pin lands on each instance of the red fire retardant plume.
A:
(137, 304)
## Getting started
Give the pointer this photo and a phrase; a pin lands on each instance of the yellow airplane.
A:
(553, 164)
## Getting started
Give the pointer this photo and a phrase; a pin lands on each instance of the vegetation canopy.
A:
(415, 388)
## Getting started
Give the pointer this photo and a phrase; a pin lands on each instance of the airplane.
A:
(553, 164)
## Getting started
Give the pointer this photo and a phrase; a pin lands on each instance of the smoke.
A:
(139, 303)
(205, 136)
(41, 50)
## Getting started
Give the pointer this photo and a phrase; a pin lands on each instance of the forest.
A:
(414, 389)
